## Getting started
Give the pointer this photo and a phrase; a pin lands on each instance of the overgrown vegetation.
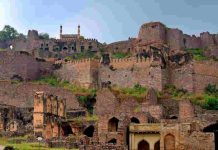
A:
(85, 54)
(24, 145)
(54, 81)
(198, 54)
(44, 36)
(119, 55)
(207, 100)
(10, 33)
(86, 118)
(138, 92)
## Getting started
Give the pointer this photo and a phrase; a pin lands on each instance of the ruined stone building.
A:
(111, 121)
(66, 45)
(49, 112)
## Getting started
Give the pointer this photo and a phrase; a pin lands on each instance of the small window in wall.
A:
(90, 47)
(47, 48)
(82, 48)
(65, 48)
(113, 124)
(113, 141)
(41, 45)
(46, 44)
(89, 131)
(135, 120)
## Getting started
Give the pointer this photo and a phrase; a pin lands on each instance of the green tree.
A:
(44, 36)
(8, 33)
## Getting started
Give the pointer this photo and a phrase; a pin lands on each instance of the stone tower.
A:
(78, 31)
(60, 30)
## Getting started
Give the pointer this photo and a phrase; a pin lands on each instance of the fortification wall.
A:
(129, 72)
(22, 94)
(175, 39)
(21, 64)
(205, 72)
(182, 77)
(82, 72)
(195, 76)
(121, 46)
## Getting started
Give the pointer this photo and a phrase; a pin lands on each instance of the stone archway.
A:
(157, 145)
(113, 124)
(214, 129)
(143, 145)
(135, 120)
(169, 142)
(66, 129)
(89, 131)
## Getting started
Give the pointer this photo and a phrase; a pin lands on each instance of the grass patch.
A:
(84, 55)
(207, 100)
(138, 92)
(198, 54)
(119, 55)
(86, 118)
(24, 145)
(54, 81)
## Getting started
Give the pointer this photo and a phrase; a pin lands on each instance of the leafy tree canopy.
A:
(10, 33)
(44, 36)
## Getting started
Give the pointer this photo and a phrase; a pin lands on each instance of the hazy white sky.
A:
(108, 20)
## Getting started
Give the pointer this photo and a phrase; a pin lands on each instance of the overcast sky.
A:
(108, 20)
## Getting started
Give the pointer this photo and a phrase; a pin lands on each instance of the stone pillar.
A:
(186, 110)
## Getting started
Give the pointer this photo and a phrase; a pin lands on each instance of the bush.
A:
(211, 89)
(211, 103)
(137, 91)
(119, 55)
(198, 54)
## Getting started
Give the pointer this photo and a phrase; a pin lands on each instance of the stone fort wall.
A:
(83, 72)
(195, 76)
(14, 64)
(22, 94)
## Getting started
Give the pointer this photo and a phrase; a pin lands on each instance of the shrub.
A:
(211, 89)
(137, 91)
(211, 103)
(119, 55)
(198, 54)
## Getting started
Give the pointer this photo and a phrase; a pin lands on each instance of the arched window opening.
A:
(143, 145)
(66, 128)
(113, 141)
(157, 145)
(113, 124)
(65, 48)
(89, 131)
(169, 142)
(135, 120)
(213, 128)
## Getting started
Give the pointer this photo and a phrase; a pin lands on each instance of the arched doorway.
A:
(214, 129)
(143, 145)
(113, 141)
(66, 129)
(113, 124)
(157, 145)
(135, 120)
(169, 142)
(89, 131)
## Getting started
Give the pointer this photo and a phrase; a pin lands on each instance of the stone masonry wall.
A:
(83, 72)
(129, 72)
(195, 76)
(22, 65)
(205, 72)
(21, 94)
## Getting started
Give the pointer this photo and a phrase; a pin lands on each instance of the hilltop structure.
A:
(107, 117)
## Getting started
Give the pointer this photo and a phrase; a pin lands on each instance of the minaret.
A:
(60, 31)
(78, 32)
